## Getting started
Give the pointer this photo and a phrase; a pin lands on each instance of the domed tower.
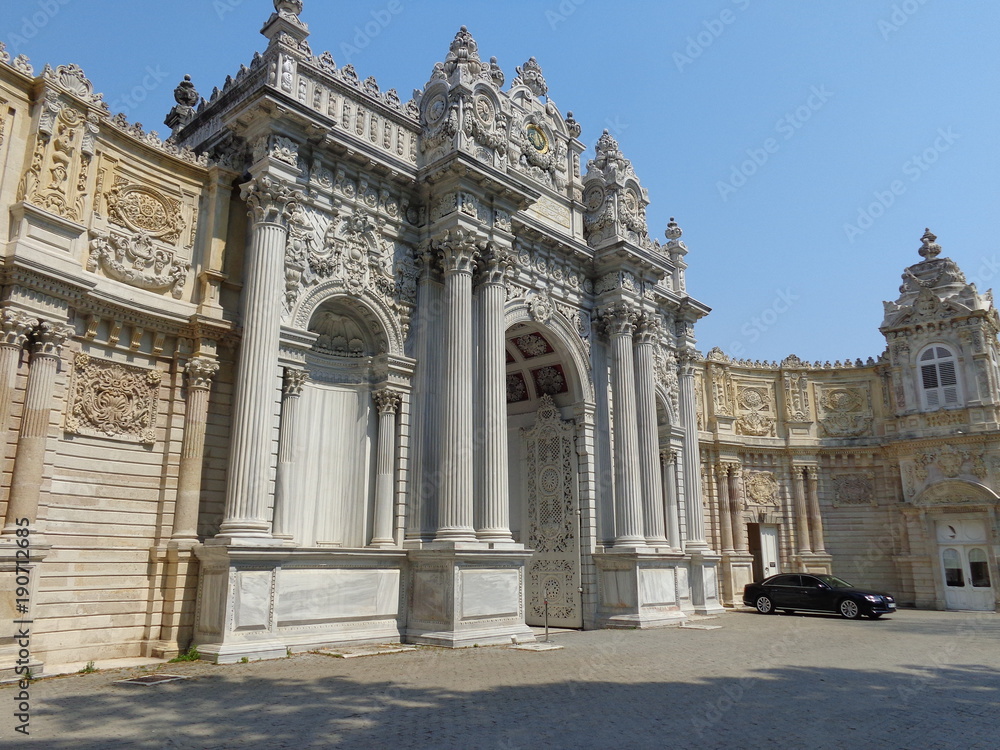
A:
(942, 343)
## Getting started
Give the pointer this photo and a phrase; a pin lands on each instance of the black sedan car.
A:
(800, 592)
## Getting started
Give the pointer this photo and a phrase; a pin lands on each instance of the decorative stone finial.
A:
(530, 75)
(288, 8)
(929, 249)
(573, 126)
(463, 52)
(673, 232)
(183, 112)
(496, 74)
(185, 94)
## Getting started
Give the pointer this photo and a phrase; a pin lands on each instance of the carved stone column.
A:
(725, 510)
(458, 255)
(801, 514)
(668, 464)
(14, 329)
(246, 513)
(493, 511)
(388, 402)
(200, 371)
(29, 463)
(815, 518)
(289, 448)
(619, 322)
(735, 496)
(694, 505)
(645, 339)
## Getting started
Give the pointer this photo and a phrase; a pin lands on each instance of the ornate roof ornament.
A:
(185, 94)
(288, 8)
(673, 234)
(929, 249)
(71, 79)
(715, 354)
(285, 20)
(463, 54)
(183, 112)
(608, 157)
(573, 126)
(495, 73)
(530, 75)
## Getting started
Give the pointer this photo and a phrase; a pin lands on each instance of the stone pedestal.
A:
(17, 563)
(814, 563)
(466, 597)
(260, 602)
(737, 572)
(639, 590)
(705, 595)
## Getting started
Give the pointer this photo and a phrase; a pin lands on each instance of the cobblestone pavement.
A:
(914, 680)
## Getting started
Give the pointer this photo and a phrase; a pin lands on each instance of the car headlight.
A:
(873, 598)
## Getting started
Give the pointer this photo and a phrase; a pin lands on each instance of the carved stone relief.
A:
(756, 409)
(110, 399)
(761, 487)
(846, 411)
(854, 489)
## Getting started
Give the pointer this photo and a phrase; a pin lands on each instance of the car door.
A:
(816, 595)
(783, 590)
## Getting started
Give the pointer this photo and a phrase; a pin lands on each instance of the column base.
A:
(638, 589)
(813, 562)
(736, 572)
(704, 583)
(467, 597)
(19, 561)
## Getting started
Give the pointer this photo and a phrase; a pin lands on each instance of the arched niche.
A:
(956, 492)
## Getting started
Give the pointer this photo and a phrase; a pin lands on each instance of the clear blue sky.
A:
(829, 107)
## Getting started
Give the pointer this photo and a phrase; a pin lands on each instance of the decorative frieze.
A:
(111, 399)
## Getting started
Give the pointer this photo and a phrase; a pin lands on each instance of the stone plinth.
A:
(705, 595)
(736, 571)
(640, 590)
(466, 597)
(260, 602)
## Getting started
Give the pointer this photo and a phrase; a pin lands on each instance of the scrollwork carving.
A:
(110, 399)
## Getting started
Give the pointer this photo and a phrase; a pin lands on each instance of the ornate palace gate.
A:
(551, 520)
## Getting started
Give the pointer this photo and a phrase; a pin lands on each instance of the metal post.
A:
(546, 620)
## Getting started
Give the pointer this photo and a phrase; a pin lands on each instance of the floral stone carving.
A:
(110, 399)
(761, 487)
(137, 261)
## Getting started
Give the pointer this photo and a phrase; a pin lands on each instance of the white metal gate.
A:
(551, 521)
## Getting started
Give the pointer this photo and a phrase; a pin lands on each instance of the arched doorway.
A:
(542, 390)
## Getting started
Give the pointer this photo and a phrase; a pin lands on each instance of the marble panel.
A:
(213, 597)
(657, 586)
(490, 593)
(321, 595)
(252, 608)
(430, 592)
(617, 589)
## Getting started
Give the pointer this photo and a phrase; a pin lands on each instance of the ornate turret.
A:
(614, 200)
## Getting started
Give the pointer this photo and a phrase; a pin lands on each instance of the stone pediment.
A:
(950, 492)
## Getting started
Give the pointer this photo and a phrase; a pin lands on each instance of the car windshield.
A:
(837, 583)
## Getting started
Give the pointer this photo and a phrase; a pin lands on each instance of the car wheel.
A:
(764, 605)
(849, 609)
(875, 615)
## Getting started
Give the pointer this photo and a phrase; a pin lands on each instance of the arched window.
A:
(938, 379)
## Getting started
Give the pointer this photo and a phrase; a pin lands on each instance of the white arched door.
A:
(965, 564)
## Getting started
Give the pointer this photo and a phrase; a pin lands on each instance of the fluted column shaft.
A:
(200, 371)
(739, 528)
(29, 463)
(493, 512)
(815, 519)
(620, 322)
(801, 514)
(694, 506)
(649, 441)
(458, 255)
(388, 402)
(725, 509)
(289, 449)
(246, 513)
(671, 507)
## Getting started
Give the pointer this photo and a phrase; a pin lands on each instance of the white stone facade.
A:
(327, 367)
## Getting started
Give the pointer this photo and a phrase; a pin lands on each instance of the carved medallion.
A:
(537, 138)
(145, 210)
(110, 399)
(854, 489)
(761, 487)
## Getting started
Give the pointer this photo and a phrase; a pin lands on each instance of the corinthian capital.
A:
(15, 327)
(387, 401)
(294, 381)
(269, 201)
(497, 265)
(620, 319)
(50, 337)
(458, 252)
(648, 329)
(200, 371)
